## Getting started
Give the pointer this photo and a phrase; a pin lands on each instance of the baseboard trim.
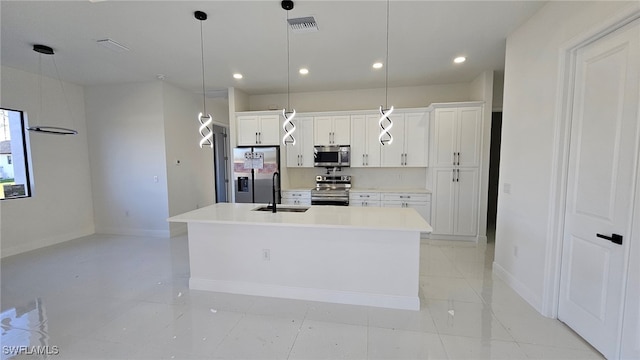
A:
(311, 294)
(41, 243)
(134, 232)
(522, 290)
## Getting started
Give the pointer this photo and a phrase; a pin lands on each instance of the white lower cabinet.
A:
(421, 202)
(455, 201)
(297, 197)
(364, 199)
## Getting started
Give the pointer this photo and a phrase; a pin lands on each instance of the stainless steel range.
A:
(331, 190)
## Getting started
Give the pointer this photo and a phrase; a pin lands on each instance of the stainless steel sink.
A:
(282, 209)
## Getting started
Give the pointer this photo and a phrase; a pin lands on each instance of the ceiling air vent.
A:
(303, 24)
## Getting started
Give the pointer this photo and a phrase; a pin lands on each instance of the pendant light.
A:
(287, 125)
(205, 119)
(385, 137)
(47, 129)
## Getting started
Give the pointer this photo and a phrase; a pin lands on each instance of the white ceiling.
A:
(250, 37)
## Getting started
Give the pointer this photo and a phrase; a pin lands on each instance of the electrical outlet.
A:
(515, 251)
(266, 254)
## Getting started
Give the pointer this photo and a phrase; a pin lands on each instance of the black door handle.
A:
(615, 238)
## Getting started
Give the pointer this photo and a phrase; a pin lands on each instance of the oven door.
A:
(334, 202)
(329, 197)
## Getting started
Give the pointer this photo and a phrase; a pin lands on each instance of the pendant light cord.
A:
(386, 80)
(40, 84)
(204, 100)
(66, 99)
(288, 65)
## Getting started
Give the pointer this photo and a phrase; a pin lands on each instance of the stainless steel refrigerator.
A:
(253, 169)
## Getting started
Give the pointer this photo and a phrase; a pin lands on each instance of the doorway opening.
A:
(220, 163)
(494, 172)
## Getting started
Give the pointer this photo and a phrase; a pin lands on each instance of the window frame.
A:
(26, 145)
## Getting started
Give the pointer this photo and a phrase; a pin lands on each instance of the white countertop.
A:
(380, 190)
(391, 190)
(401, 219)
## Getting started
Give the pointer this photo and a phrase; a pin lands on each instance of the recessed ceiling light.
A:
(459, 59)
(304, 71)
(377, 65)
(237, 76)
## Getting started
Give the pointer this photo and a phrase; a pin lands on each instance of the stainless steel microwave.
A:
(332, 156)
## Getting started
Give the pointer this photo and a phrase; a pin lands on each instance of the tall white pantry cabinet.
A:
(456, 154)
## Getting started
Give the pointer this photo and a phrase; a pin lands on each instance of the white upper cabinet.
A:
(258, 130)
(410, 133)
(456, 140)
(301, 154)
(365, 148)
(332, 130)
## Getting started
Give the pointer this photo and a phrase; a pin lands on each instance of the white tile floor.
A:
(117, 297)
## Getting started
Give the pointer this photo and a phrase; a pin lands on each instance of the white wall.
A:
(362, 99)
(61, 206)
(190, 183)
(127, 150)
(218, 108)
(529, 119)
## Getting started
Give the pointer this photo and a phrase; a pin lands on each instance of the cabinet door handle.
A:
(405, 197)
(458, 175)
(614, 238)
(458, 158)
(256, 137)
(260, 137)
(405, 158)
(454, 158)
(453, 175)
(367, 159)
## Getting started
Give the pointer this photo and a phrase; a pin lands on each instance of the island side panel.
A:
(342, 265)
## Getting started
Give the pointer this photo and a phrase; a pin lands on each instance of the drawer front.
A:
(364, 196)
(295, 201)
(365, 203)
(406, 197)
(296, 195)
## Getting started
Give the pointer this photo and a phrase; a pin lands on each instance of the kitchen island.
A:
(341, 254)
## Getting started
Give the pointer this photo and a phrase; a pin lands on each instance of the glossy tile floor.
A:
(116, 297)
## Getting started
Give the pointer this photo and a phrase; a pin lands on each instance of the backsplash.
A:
(363, 178)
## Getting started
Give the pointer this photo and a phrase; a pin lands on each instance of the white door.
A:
(341, 130)
(442, 200)
(444, 139)
(247, 130)
(373, 145)
(600, 188)
(466, 202)
(322, 130)
(358, 140)
(392, 155)
(416, 138)
(269, 133)
(306, 141)
(468, 144)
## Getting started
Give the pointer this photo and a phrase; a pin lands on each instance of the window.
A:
(15, 160)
